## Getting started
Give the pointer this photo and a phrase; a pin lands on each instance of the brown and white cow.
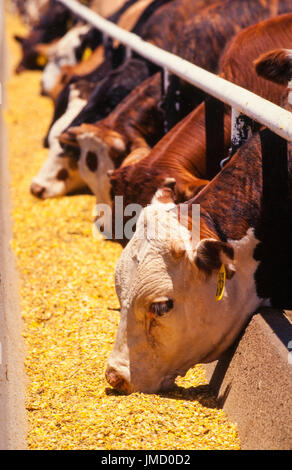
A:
(59, 176)
(64, 57)
(170, 316)
(167, 282)
(52, 25)
(107, 94)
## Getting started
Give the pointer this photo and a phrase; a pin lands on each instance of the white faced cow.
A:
(59, 176)
(167, 282)
(170, 318)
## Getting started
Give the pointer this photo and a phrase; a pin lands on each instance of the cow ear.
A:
(210, 254)
(19, 39)
(275, 65)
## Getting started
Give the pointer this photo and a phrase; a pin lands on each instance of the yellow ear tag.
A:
(221, 282)
(41, 60)
(86, 54)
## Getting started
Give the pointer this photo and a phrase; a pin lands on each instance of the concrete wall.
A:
(12, 379)
(253, 382)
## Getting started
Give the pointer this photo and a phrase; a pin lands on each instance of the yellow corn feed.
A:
(68, 304)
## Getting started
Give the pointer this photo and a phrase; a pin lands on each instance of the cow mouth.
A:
(167, 383)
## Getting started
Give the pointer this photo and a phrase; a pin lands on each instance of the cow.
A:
(136, 123)
(107, 94)
(79, 44)
(51, 181)
(68, 51)
(181, 154)
(187, 291)
(56, 21)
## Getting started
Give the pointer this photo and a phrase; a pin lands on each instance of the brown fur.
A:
(182, 152)
(173, 18)
(205, 36)
(179, 154)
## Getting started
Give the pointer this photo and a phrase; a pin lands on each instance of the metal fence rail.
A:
(243, 101)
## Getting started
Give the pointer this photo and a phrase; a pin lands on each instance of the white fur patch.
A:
(62, 54)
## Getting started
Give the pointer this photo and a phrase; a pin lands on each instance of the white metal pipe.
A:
(274, 117)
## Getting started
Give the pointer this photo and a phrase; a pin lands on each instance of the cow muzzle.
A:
(37, 190)
(117, 380)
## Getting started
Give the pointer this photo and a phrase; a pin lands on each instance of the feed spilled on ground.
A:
(70, 313)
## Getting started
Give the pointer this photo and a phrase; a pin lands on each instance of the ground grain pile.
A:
(70, 318)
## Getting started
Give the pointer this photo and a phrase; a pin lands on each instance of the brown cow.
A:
(181, 154)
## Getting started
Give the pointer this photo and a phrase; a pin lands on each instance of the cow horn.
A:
(109, 173)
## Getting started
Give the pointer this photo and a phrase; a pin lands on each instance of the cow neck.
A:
(231, 203)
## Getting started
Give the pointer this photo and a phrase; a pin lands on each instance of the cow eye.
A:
(159, 308)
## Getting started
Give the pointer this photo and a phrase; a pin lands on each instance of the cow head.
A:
(64, 52)
(100, 150)
(166, 281)
(59, 176)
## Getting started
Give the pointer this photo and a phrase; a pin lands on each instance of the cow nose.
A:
(43, 91)
(37, 190)
(116, 380)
